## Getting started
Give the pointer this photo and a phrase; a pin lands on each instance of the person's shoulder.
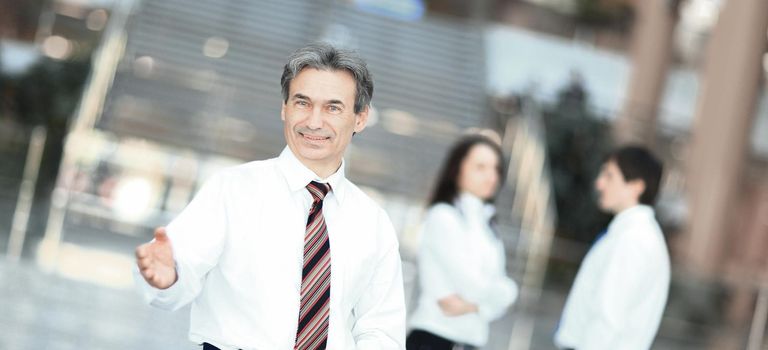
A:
(360, 200)
(442, 221)
(642, 227)
(442, 211)
(370, 213)
(248, 169)
(233, 177)
(441, 217)
(255, 166)
(642, 234)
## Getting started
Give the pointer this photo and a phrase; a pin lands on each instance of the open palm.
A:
(155, 261)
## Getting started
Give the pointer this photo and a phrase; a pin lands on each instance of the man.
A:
(286, 253)
(621, 289)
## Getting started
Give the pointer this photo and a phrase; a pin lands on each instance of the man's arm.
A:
(380, 311)
(172, 267)
(619, 291)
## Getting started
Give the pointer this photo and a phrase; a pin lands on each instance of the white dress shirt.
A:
(621, 288)
(460, 254)
(239, 247)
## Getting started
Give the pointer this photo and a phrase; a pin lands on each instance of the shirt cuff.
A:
(160, 298)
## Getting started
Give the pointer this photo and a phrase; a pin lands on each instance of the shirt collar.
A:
(473, 205)
(298, 175)
(637, 211)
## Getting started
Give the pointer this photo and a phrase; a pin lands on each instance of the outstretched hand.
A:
(155, 261)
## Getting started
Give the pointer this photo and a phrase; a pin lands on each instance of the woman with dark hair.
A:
(462, 271)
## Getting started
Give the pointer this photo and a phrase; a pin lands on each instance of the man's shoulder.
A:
(367, 212)
(359, 199)
(234, 177)
(641, 227)
(256, 167)
(642, 235)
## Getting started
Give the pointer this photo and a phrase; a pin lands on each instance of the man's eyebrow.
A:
(299, 96)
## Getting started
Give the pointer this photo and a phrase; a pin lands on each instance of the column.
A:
(651, 50)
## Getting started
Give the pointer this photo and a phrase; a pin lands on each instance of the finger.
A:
(142, 251)
(148, 274)
(144, 263)
(158, 281)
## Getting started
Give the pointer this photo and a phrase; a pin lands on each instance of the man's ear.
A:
(638, 187)
(282, 111)
(361, 119)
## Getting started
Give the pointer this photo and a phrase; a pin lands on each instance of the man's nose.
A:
(315, 120)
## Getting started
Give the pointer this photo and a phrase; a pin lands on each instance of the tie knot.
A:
(318, 190)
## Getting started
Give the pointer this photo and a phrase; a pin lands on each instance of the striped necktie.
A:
(312, 332)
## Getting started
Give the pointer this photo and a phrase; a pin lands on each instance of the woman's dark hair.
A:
(447, 188)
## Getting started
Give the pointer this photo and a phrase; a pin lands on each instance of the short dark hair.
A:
(447, 188)
(324, 56)
(638, 163)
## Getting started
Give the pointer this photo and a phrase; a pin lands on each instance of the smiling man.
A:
(286, 253)
(620, 291)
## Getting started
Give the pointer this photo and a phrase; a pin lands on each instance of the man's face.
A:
(319, 117)
(616, 194)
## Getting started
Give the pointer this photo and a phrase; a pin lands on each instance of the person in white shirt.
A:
(620, 291)
(286, 253)
(462, 270)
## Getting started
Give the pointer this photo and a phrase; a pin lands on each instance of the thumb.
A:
(160, 235)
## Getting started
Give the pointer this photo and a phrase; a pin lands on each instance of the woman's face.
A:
(479, 172)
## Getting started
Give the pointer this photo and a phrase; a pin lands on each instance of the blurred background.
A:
(113, 112)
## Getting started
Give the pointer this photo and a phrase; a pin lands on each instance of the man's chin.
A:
(313, 154)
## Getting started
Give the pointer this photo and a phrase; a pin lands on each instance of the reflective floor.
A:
(80, 294)
(47, 311)
(50, 310)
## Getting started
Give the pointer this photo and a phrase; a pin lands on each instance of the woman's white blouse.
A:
(460, 254)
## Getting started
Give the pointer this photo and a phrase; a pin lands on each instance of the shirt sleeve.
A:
(441, 255)
(500, 293)
(380, 311)
(197, 238)
(627, 269)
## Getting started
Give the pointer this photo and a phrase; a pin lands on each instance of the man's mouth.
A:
(314, 137)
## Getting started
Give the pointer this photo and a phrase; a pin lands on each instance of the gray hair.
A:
(323, 56)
